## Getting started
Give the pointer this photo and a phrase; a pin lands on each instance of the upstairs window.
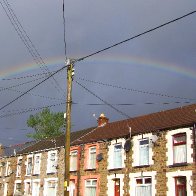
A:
(144, 152)
(90, 187)
(19, 167)
(92, 158)
(29, 166)
(143, 186)
(179, 148)
(8, 169)
(73, 160)
(52, 162)
(117, 157)
(37, 160)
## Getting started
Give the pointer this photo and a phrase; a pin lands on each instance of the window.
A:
(90, 187)
(19, 167)
(18, 189)
(144, 152)
(27, 188)
(35, 188)
(180, 186)
(52, 162)
(143, 186)
(179, 148)
(73, 160)
(117, 159)
(92, 158)
(29, 165)
(1, 171)
(51, 187)
(37, 160)
(8, 169)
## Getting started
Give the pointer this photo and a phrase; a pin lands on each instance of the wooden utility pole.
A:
(68, 126)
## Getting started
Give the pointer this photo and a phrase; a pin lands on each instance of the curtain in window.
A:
(92, 160)
(144, 155)
(118, 156)
(143, 191)
(180, 154)
(90, 191)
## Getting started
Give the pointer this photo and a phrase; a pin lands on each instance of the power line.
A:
(32, 88)
(25, 38)
(27, 76)
(136, 36)
(110, 105)
(135, 90)
(17, 85)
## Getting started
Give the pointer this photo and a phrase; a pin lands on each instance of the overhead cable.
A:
(51, 75)
(135, 36)
(110, 105)
(135, 90)
(26, 39)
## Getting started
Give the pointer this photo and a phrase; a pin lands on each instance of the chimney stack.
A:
(102, 120)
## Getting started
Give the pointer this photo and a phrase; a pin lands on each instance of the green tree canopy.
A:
(46, 124)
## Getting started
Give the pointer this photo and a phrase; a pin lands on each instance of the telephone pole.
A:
(70, 70)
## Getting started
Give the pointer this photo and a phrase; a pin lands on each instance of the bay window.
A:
(179, 148)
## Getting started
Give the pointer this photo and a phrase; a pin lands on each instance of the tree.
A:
(46, 124)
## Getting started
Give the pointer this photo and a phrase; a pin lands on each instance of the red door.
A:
(180, 183)
(117, 187)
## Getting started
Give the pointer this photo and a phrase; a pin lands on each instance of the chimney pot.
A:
(102, 120)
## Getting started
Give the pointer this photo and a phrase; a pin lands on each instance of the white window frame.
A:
(46, 180)
(135, 155)
(8, 168)
(6, 188)
(17, 182)
(171, 181)
(33, 182)
(19, 166)
(143, 146)
(132, 182)
(25, 183)
(37, 170)
(90, 152)
(111, 153)
(51, 167)
(91, 185)
(75, 154)
(143, 184)
(27, 165)
(169, 144)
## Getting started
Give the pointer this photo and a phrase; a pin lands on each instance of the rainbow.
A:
(120, 60)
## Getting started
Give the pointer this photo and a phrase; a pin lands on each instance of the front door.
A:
(117, 187)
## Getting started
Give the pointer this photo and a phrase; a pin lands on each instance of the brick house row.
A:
(144, 156)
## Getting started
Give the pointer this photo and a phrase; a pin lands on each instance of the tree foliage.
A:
(46, 124)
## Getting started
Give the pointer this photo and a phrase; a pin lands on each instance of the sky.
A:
(157, 68)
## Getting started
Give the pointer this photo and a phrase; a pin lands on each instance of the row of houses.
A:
(144, 156)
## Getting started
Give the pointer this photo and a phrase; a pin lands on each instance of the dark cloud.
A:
(90, 26)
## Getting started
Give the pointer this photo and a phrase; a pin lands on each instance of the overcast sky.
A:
(160, 62)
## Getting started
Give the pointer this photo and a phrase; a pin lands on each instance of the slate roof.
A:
(54, 143)
(11, 150)
(170, 119)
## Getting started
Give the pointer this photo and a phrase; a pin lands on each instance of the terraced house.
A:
(147, 155)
